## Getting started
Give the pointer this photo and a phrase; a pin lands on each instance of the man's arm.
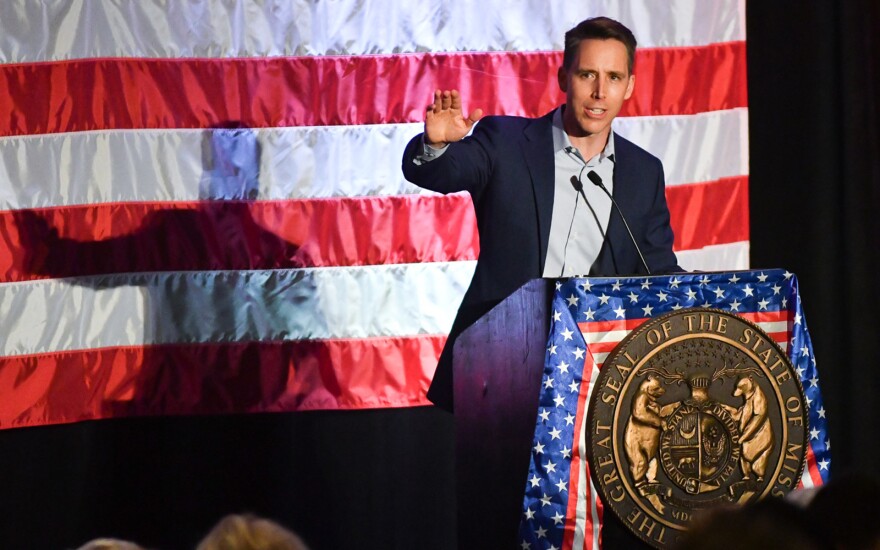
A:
(440, 159)
(445, 122)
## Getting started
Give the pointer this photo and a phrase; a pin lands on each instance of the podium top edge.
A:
(769, 272)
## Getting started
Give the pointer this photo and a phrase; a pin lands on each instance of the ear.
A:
(629, 86)
(562, 78)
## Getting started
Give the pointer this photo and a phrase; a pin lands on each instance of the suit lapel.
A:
(537, 151)
(611, 260)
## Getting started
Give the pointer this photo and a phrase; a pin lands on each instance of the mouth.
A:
(595, 112)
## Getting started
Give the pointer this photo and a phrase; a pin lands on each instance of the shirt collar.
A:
(561, 140)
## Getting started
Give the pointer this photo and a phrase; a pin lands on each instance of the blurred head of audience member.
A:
(847, 510)
(248, 532)
(769, 523)
(109, 544)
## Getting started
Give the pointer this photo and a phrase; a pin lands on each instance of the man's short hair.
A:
(601, 28)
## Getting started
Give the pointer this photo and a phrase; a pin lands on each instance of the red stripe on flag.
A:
(603, 347)
(812, 467)
(210, 379)
(608, 347)
(126, 93)
(590, 327)
(665, 78)
(709, 213)
(600, 511)
(607, 326)
(628, 325)
(766, 317)
(575, 490)
(209, 235)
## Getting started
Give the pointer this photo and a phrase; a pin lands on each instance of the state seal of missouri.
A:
(693, 409)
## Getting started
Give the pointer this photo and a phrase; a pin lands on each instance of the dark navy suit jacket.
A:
(507, 165)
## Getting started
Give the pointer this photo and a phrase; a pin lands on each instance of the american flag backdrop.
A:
(201, 202)
(590, 317)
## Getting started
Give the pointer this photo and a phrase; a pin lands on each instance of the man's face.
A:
(596, 85)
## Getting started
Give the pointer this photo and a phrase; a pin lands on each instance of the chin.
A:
(591, 128)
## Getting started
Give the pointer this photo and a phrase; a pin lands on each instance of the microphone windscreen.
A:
(594, 177)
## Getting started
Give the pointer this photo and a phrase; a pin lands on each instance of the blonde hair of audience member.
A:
(110, 544)
(248, 532)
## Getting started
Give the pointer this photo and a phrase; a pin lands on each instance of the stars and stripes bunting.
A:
(590, 317)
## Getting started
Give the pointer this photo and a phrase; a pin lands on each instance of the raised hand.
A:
(445, 122)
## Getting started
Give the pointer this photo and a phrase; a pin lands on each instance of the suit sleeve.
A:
(465, 166)
(658, 237)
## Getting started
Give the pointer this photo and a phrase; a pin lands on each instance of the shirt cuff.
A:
(429, 153)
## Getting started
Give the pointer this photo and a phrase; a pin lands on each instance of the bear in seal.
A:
(642, 435)
(755, 432)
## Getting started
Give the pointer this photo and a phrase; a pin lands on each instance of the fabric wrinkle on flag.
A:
(221, 189)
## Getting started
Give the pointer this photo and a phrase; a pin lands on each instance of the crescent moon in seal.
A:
(688, 435)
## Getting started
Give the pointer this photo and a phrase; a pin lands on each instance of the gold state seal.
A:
(693, 409)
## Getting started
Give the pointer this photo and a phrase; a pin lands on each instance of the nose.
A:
(599, 88)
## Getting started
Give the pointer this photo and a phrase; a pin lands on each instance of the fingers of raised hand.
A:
(446, 97)
(475, 115)
(434, 106)
(455, 100)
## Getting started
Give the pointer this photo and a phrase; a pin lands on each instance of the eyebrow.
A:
(594, 71)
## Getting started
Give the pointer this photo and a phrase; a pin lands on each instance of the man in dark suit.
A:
(523, 176)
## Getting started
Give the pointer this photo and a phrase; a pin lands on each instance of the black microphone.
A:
(597, 181)
(579, 187)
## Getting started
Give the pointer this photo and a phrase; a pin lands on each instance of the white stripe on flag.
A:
(584, 489)
(600, 357)
(693, 148)
(587, 495)
(806, 479)
(160, 29)
(775, 326)
(611, 336)
(167, 165)
(595, 514)
(230, 306)
(720, 257)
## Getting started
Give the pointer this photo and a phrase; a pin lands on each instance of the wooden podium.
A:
(498, 363)
(498, 367)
